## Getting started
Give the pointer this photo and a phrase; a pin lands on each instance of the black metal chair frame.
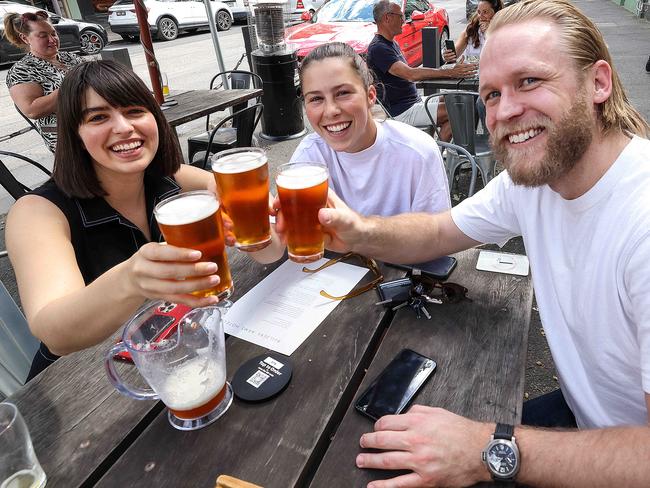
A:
(14, 187)
(243, 137)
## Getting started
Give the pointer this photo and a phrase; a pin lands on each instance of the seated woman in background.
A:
(472, 39)
(34, 81)
(377, 168)
(85, 246)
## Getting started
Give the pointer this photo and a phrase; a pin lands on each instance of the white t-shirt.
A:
(401, 172)
(590, 261)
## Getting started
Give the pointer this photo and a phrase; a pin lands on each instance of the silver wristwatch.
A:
(501, 455)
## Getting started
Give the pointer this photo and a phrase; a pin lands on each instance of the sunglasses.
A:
(20, 22)
(367, 262)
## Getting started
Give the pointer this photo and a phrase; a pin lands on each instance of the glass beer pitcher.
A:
(183, 361)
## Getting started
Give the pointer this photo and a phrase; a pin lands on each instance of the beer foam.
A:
(193, 384)
(187, 210)
(238, 162)
(298, 177)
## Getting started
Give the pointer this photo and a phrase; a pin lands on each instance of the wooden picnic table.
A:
(194, 104)
(85, 433)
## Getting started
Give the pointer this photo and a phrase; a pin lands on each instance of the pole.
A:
(145, 40)
(215, 41)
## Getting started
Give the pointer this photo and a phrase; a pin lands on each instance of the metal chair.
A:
(14, 187)
(461, 109)
(246, 120)
(32, 125)
(17, 345)
(470, 159)
(238, 79)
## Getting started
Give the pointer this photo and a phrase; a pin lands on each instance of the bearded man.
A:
(577, 188)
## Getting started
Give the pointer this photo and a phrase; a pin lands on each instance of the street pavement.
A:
(190, 62)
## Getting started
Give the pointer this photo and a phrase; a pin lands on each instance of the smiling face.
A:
(338, 106)
(43, 41)
(120, 140)
(539, 113)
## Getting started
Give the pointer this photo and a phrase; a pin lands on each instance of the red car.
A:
(351, 21)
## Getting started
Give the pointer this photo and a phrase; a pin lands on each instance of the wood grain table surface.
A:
(86, 434)
(194, 104)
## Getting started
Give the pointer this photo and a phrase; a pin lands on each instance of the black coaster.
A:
(262, 377)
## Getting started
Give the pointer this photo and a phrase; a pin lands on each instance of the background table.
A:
(195, 104)
(434, 86)
(85, 433)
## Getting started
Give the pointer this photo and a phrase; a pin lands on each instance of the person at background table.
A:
(377, 168)
(85, 246)
(398, 92)
(472, 39)
(34, 81)
(577, 188)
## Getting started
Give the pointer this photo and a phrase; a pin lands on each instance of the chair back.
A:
(238, 79)
(246, 120)
(461, 109)
(17, 345)
(14, 187)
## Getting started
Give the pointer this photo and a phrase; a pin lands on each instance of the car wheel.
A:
(91, 41)
(224, 20)
(167, 29)
(443, 37)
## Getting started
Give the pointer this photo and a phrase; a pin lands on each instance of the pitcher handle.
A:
(116, 379)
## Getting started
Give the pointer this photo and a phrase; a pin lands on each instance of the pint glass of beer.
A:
(242, 176)
(185, 368)
(302, 188)
(193, 220)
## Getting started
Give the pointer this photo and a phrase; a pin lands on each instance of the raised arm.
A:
(406, 238)
(403, 70)
(66, 314)
(29, 98)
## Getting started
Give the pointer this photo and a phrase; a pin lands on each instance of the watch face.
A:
(502, 459)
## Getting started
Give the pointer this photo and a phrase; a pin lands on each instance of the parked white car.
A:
(167, 17)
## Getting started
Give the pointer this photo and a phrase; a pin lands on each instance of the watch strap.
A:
(504, 431)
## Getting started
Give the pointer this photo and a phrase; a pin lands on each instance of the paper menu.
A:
(281, 311)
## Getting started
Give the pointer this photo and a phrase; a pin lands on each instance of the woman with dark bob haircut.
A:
(85, 246)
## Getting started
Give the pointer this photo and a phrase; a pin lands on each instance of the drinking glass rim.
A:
(284, 166)
(147, 310)
(14, 409)
(215, 157)
(184, 194)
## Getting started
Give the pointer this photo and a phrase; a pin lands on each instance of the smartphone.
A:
(439, 269)
(392, 391)
(450, 46)
(160, 325)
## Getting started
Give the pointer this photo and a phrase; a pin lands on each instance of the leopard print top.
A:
(31, 69)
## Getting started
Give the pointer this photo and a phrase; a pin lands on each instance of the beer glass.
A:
(302, 188)
(186, 370)
(193, 220)
(18, 463)
(242, 176)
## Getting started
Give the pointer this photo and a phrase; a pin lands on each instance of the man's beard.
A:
(567, 141)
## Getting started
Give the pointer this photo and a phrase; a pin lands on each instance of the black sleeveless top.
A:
(101, 236)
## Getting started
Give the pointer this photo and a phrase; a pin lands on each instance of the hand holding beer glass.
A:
(186, 370)
(193, 220)
(302, 189)
(242, 176)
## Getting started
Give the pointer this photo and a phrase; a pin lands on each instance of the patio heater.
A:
(277, 65)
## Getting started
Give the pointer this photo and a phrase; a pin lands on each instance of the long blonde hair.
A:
(17, 24)
(585, 44)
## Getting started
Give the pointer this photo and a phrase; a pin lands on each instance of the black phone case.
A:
(365, 404)
(439, 269)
